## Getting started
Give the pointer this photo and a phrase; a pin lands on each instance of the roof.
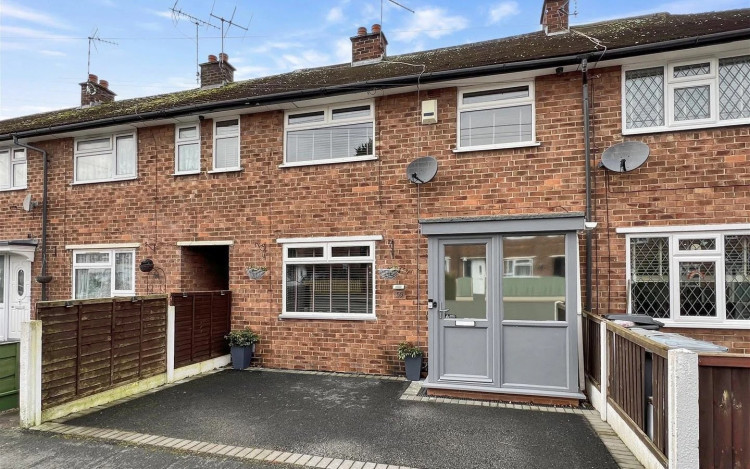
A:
(616, 34)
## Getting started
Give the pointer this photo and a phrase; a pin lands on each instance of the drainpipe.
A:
(587, 151)
(44, 211)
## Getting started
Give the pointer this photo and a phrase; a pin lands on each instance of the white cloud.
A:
(33, 16)
(17, 31)
(274, 45)
(162, 13)
(335, 15)
(343, 50)
(53, 53)
(250, 71)
(502, 11)
(431, 22)
(306, 59)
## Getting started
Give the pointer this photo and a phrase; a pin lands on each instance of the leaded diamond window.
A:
(649, 276)
(697, 244)
(691, 70)
(692, 103)
(644, 98)
(697, 287)
(737, 276)
(734, 88)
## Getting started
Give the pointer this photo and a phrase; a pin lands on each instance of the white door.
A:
(19, 295)
(478, 276)
(3, 299)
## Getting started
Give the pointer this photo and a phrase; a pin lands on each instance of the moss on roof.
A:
(613, 34)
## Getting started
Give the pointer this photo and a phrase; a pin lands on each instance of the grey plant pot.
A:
(413, 367)
(242, 356)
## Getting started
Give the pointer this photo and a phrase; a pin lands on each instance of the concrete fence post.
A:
(603, 369)
(682, 394)
(30, 389)
(170, 343)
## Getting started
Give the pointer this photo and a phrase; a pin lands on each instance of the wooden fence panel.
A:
(724, 411)
(89, 346)
(592, 348)
(202, 319)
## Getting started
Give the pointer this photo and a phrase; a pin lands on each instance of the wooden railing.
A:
(592, 347)
(637, 376)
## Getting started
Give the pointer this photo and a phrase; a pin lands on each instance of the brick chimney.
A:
(217, 71)
(555, 15)
(369, 47)
(94, 91)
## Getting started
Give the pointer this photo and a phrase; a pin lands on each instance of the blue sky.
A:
(43, 44)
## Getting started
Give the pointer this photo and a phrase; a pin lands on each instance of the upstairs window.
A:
(700, 93)
(105, 158)
(12, 168)
(227, 145)
(329, 135)
(496, 117)
(187, 149)
(329, 280)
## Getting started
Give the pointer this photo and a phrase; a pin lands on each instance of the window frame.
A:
(518, 262)
(111, 264)
(511, 102)
(191, 141)
(14, 161)
(110, 152)
(216, 137)
(329, 122)
(327, 259)
(670, 84)
(676, 319)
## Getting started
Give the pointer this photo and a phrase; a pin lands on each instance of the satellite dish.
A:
(422, 170)
(29, 204)
(625, 156)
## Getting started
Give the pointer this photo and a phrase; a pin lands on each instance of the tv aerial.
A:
(93, 39)
(229, 22)
(422, 170)
(625, 156)
(177, 14)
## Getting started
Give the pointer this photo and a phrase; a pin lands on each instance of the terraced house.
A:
(305, 175)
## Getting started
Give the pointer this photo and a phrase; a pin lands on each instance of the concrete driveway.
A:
(340, 418)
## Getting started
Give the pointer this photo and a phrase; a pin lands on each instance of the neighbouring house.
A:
(305, 174)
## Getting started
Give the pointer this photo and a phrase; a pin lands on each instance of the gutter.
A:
(630, 51)
(42, 278)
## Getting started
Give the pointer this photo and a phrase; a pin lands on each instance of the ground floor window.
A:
(103, 273)
(329, 279)
(701, 277)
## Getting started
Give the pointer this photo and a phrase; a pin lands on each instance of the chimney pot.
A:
(375, 28)
(104, 83)
(93, 78)
(224, 57)
(217, 71)
(368, 48)
(362, 31)
(212, 58)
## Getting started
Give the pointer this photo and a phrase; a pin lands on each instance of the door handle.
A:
(442, 312)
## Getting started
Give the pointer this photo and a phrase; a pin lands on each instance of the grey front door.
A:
(466, 311)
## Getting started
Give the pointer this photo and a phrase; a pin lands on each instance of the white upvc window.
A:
(333, 134)
(518, 267)
(103, 273)
(187, 149)
(226, 144)
(699, 278)
(12, 168)
(329, 280)
(501, 116)
(105, 158)
(703, 92)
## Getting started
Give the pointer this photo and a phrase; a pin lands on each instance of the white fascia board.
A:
(225, 242)
(330, 239)
(103, 246)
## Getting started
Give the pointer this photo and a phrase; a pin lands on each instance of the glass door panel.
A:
(465, 281)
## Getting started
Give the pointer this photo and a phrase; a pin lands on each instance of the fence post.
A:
(603, 371)
(30, 389)
(682, 397)
(170, 343)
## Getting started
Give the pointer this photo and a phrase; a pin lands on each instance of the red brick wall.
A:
(264, 202)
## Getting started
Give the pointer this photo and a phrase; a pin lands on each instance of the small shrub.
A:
(242, 338)
(407, 349)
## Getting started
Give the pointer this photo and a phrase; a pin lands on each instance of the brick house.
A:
(305, 174)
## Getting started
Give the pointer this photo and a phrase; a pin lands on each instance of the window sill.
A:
(325, 162)
(11, 189)
(679, 128)
(83, 183)
(329, 316)
(733, 324)
(504, 146)
(186, 173)
(219, 171)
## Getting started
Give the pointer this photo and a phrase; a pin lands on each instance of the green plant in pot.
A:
(412, 357)
(242, 344)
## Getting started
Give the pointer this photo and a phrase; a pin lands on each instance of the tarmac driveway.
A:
(356, 418)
